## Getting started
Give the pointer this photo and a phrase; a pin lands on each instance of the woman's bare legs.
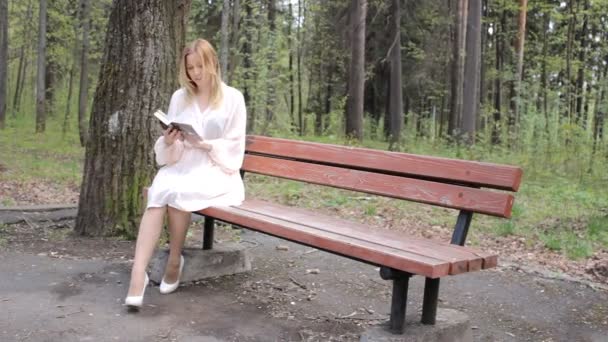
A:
(179, 221)
(147, 239)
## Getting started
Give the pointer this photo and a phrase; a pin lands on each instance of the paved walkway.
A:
(43, 298)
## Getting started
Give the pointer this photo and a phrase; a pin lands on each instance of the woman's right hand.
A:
(171, 134)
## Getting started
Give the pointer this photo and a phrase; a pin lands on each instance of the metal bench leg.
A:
(399, 299)
(208, 232)
(429, 303)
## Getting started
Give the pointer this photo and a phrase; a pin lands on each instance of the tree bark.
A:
(224, 38)
(356, 81)
(40, 82)
(233, 58)
(395, 110)
(472, 71)
(3, 60)
(143, 42)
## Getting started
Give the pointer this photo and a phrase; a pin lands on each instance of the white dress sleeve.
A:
(229, 150)
(167, 155)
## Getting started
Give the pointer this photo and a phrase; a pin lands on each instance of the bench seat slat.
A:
(445, 195)
(504, 177)
(350, 247)
(419, 256)
(462, 259)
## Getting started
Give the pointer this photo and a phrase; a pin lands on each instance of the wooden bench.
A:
(449, 183)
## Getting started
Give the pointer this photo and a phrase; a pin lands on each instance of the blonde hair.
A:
(211, 66)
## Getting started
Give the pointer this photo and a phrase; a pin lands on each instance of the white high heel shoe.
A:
(137, 301)
(168, 288)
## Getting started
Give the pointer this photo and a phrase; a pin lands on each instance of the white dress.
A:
(192, 179)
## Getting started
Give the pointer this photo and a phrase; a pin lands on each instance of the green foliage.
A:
(50, 155)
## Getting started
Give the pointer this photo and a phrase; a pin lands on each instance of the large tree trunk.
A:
(356, 75)
(460, 29)
(3, 60)
(137, 76)
(40, 83)
(84, 75)
(224, 38)
(395, 107)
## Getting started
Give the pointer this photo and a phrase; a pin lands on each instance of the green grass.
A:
(561, 203)
(50, 156)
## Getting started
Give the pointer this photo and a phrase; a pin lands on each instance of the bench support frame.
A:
(431, 286)
(208, 233)
(399, 299)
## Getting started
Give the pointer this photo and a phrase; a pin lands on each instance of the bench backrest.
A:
(445, 182)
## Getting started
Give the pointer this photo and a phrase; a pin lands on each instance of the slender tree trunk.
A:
(500, 46)
(472, 70)
(75, 57)
(290, 105)
(40, 83)
(598, 122)
(224, 39)
(299, 52)
(516, 84)
(84, 75)
(247, 64)
(66, 118)
(119, 159)
(580, 79)
(234, 57)
(395, 111)
(356, 81)
(458, 68)
(3, 60)
(23, 59)
(569, 52)
(272, 72)
(543, 76)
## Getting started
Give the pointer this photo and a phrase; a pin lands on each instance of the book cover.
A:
(182, 127)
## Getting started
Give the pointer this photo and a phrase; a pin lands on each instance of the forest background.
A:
(507, 81)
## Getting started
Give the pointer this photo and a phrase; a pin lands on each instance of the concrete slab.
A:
(223, 259)
(451, 326)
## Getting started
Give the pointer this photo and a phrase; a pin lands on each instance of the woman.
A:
(196, 173)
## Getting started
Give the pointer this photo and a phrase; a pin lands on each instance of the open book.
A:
(182, 127)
